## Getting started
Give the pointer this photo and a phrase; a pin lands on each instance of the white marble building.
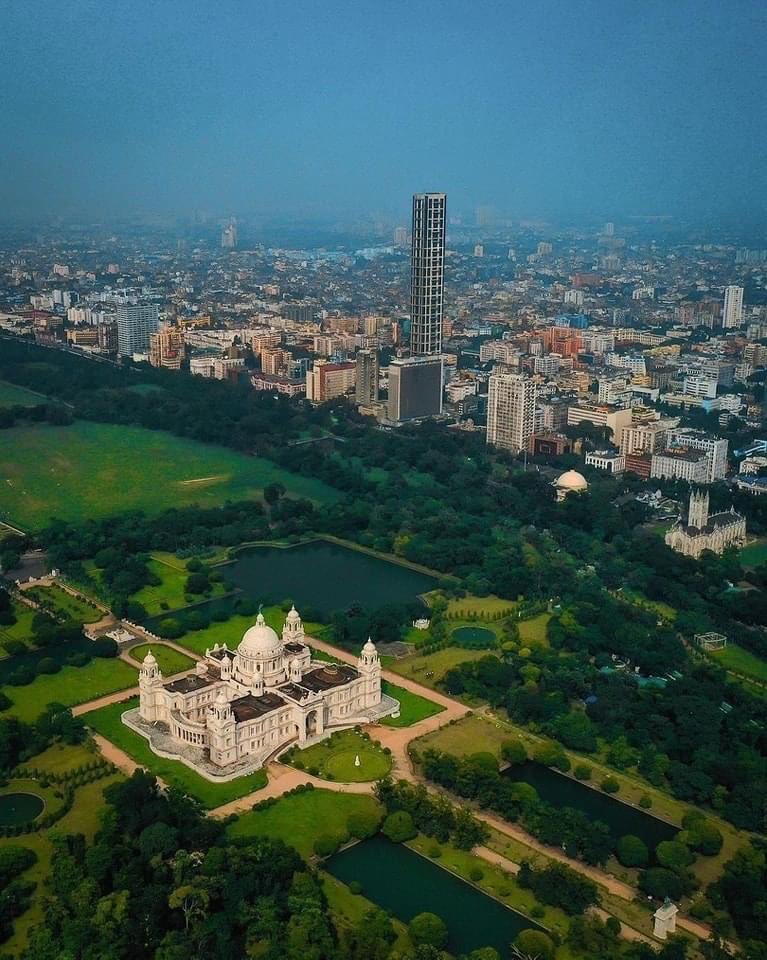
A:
(240, 708)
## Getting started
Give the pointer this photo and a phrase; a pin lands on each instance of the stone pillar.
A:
(665, 920)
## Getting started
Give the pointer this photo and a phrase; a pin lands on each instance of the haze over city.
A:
(555, 109)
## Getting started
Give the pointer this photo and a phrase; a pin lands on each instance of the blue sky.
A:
(542, 108)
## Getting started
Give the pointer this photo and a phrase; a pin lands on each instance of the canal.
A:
(404, 883)
(561, 791)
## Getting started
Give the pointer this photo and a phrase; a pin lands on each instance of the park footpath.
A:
(282, 779)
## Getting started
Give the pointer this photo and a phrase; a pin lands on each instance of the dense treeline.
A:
(676, 736)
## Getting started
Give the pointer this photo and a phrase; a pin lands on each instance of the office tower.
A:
(609, 230)
(367, 376)
(415, 388)
(136, 322)
(427, 273)
(479, 250)
(510, 411)
(166, 348)
(732, 311)
(400, 236)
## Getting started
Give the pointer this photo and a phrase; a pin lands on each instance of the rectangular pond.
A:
(561, 791)
(404, 883)
(323, 575)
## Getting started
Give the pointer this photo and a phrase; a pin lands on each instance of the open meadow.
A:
(13, 396)
(95, 469)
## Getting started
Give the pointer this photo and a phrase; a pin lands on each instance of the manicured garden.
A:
(334, 758)
(532, 632)
(107, 721)
(22, 628)
(301, 818)
(412, 708)
(428, 669)
(170, 592)
(70, 686)
(60, 603)
(169, 660)
(96, 469)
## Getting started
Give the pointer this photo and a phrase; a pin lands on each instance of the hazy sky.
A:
(542, 107)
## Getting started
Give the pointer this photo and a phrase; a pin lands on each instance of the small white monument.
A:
(357, 760)
(665, 919)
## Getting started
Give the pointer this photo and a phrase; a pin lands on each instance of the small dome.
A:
(571, 480)
(295, 663)
(293, 615)
(259, 641)
(149, 660)
(369, 647)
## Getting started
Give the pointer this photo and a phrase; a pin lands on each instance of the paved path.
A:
(121, 695)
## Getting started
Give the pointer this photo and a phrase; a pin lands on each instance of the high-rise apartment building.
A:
(136, 322)
(327, 380)
(166, 348)
(229, 236)
(427, 273)
(367, 376)
(732, 311)
(510, 411)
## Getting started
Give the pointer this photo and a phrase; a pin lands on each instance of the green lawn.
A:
(487, 607)
(169, 660)
(22, 629)
(61, 757)
(473, 734)
(169, 594)
(13, 396)
(82, 818)
(70, 686)
(333, 759)
(301, 818)
(754, 554)
(412, 708)
(62, 604)
(107, 722)
(429, 668)
(95, 469)
(532, 633)
(733, 657)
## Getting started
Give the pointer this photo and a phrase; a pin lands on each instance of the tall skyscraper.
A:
(367, 376)
(136, 322)
(229, 236)
(510, 411)
(427, 273)
(732, 311)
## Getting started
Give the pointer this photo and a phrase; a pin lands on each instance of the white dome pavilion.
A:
(260, 642)
(570, 482)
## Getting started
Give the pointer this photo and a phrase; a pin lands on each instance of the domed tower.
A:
(296, 673)
(150, 689)
(293, 629)
(221, 730)
(369, 667)
(259, 657)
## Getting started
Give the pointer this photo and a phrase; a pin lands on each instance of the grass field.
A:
(470, 735)
(754, 554)
(62, 604)
(429, 668)
(412, 708)
(94, 470)
(532, 633)
(60, 758)
(333, 759)
(231, 631)
(82, 818)
(482, 607)
(169, 593)
(107, 722)
(22, 629)
(733, 657)
(13, 396)
(70, 686)
(169, 660)
(301, 818)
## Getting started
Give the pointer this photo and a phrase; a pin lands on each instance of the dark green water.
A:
(406, 884)
(17, 808)
(323, 575)
(475, 638)
(562, 791)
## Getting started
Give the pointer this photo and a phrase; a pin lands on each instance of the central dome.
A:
(260, 641)
(572, 480)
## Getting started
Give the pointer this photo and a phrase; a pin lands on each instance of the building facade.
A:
(702, 531)
(415, 388)
(241, 707)
(732, 309)
(367, 376)
(510, 411)
(427, 273)
(136, 322)
(326, 380)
